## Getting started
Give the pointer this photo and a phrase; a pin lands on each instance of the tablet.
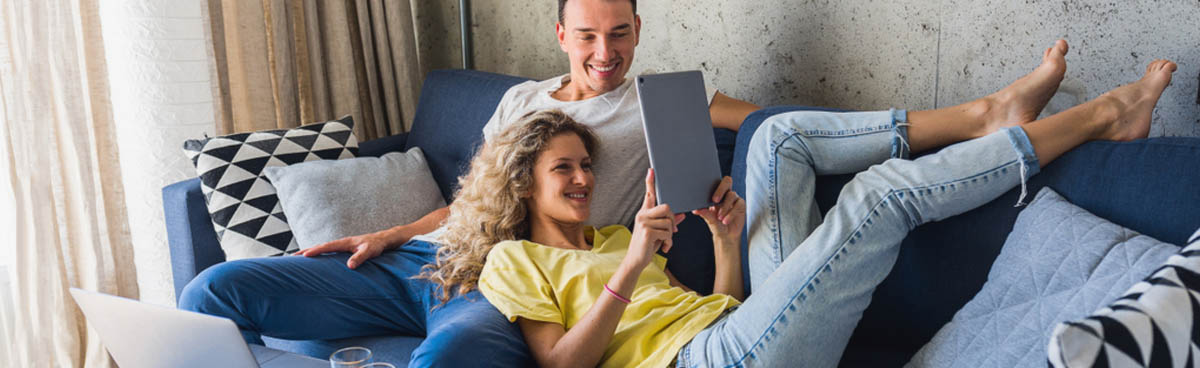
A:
(679, 139)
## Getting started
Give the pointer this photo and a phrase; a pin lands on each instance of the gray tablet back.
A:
(679, 138)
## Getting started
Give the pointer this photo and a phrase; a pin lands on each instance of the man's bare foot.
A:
(1126, 111)
(1022, 101)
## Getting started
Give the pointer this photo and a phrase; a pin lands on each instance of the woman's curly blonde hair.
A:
(488, 207)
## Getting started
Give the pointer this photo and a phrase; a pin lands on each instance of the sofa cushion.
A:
(942, 265)
(332, 199)
(1152, 325)
(243, 205)
(1059, 263)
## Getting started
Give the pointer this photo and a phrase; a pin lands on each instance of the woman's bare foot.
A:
(1126, 110)
(1022, 101)
(1121, 114)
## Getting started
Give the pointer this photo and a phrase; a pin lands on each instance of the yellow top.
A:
(543, 283)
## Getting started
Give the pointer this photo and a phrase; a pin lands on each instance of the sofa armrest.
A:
(190, 233)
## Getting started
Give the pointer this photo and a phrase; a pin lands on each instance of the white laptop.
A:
(144, 335)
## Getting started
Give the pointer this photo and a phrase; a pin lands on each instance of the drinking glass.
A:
(378, 365)
(351, 357)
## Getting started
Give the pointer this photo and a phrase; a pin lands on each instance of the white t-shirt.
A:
(621, 163)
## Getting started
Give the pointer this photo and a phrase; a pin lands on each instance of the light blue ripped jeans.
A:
(812, 277)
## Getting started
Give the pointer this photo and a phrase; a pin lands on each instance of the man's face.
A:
(599, 37)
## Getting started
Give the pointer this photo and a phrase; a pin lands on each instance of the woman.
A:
(587, 297)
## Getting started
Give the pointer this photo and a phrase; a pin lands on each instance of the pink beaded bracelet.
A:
(615, 295)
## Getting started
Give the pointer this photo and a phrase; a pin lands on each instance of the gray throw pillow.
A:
(1153, 325)
(330, 200)
(1059, 263)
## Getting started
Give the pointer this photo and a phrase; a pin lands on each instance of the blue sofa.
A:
(1149, 186)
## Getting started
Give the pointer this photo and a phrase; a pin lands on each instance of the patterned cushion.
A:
(1154, 324)
(245, 210)
(1059, 263)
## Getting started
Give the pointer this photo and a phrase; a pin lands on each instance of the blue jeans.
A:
(812, 277)
(302, 298)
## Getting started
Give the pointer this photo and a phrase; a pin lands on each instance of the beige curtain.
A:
(59, 164)
(282, 63)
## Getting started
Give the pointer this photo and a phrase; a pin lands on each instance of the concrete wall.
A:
(859, 54)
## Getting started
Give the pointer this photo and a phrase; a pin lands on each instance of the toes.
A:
(1059, 47)
(1161, 65)
(1154, 66)
(1056, 53)
(1062, 44)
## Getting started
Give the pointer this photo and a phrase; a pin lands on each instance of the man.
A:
(268, 295)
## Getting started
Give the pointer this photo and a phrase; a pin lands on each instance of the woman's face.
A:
(562, 181)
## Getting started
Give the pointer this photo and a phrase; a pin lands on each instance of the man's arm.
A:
(368, 246)
(401, 234)
(728, 112)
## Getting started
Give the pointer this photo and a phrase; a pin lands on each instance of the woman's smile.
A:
(580, 196)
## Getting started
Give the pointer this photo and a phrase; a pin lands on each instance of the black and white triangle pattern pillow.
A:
(1155, 324)
(245, 210)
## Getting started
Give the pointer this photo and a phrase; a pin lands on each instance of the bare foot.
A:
(1128, 108)
(1022, 101)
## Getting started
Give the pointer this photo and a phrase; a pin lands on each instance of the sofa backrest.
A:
(448, 125)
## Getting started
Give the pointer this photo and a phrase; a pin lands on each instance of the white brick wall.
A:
(159, 73)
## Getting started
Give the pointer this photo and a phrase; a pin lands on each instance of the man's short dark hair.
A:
(562, 5)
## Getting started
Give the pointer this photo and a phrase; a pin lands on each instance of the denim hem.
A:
(1027, 157)
(900, 148)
